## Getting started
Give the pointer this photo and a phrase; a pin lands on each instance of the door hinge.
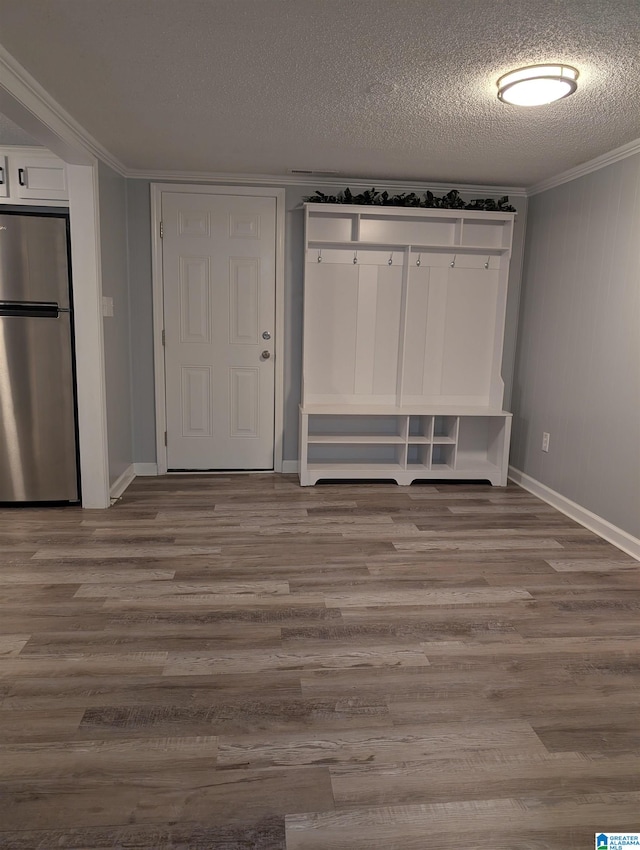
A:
(161, 230)
(164, 338)
(165, 438)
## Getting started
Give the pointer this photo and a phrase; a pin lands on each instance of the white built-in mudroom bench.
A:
(404, 313)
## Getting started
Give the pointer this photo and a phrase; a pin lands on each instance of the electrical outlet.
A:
(545, 441)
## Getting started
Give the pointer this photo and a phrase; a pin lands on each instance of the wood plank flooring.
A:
(242, 664)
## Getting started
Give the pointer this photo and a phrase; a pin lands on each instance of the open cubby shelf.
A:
(350, 226)
(476, 448)
(403, 325)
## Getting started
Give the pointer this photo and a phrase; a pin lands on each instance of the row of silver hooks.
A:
(452, 264)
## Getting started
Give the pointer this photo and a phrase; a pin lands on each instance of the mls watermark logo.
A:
(617, 840)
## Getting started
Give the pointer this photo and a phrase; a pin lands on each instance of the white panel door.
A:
(218, 263)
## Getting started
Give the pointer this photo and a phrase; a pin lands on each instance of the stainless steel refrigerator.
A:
(38, 430)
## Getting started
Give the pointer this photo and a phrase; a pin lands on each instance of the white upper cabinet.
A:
(4, 177)
(32, 176)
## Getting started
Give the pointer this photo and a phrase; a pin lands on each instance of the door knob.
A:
(266, 335)
(266, 355)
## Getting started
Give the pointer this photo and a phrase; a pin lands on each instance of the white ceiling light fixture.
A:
(537, 84)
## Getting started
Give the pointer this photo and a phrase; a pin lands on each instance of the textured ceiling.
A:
(398, 89)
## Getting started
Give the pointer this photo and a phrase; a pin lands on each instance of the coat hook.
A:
(486, 265)
(355, 258)
(452, 264)
(320, 256)
(418, 261)
(390, 260)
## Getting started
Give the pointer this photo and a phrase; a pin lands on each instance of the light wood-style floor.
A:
(241, 664)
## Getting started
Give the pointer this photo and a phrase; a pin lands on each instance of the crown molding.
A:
(321, 180)
(586, 168)
(23, 98)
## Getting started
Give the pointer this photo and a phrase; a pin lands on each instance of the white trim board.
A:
(86, 271)
(122, 482)
(596, 164)
(276, 180)
(157, 190)
(390, 185)
(602, 527)
(31, 107)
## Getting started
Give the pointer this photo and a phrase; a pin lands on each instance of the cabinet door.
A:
(40, 178)
(4, 178)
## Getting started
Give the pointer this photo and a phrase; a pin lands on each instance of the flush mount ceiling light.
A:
(537, 84)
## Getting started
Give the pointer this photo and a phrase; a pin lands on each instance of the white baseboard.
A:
(122, 482)
(602, 527)
(145, 469)
(290, 466)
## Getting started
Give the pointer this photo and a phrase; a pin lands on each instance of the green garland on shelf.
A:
(450, 201)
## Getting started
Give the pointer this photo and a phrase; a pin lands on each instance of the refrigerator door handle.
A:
(36, 311)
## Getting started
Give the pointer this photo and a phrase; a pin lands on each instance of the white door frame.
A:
(157, 190)
(86, 270)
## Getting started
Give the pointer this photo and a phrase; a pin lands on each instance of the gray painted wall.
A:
(578, 360)
(117, 330)
(11, 134)
(139, 216)
(141, 301)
